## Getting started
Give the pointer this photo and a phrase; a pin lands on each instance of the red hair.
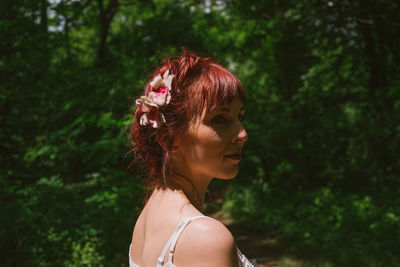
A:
(198, 83)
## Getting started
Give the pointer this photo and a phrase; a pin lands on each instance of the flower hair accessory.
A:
(159, 95)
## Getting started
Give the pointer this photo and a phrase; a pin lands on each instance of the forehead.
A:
(236, 105)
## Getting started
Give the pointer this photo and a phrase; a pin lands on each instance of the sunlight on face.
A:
(214, 140)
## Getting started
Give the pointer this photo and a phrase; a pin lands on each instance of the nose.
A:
(241, 136)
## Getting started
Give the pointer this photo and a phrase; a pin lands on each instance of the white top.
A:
(171, 243)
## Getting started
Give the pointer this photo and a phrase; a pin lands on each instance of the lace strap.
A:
(244, 262)
(131, 263)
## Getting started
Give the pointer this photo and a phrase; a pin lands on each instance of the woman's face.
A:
(213, 142)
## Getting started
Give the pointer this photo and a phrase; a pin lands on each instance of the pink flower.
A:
(153, 117)
(158, 96)
(145, 104)
(156, 118)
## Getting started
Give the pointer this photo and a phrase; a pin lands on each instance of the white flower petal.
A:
(167, 79)
(157, 99)
(168, 99)
(156, 81)
(144, 120)
(148, 101)
(156, 124)
(162, 118)
(139, 103)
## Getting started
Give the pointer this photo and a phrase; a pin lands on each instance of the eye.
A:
(219, 119)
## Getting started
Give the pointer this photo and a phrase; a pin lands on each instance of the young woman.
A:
(188, 130)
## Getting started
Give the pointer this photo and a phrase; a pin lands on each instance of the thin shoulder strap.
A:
(171, 243)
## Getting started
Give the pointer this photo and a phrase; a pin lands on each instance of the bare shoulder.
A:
(209, 231)
(206, 242)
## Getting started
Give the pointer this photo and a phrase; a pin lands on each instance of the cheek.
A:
(205, 152)
(207, 144)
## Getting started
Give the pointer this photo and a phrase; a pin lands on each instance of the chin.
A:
(229, 174)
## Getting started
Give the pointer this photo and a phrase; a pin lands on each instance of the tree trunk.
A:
(43, 15)
(105, 16)
(367, 25)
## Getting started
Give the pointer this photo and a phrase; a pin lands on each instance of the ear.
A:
(167, 142)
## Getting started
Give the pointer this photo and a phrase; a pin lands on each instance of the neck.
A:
(194, 188)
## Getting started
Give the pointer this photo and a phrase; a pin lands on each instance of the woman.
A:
(188, 130)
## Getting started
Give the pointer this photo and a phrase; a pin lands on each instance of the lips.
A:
(233, 156)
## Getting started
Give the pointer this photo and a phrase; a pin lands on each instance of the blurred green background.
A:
(321, 167)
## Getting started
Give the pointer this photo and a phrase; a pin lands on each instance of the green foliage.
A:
(321, 165)
(346, 229)
(85, 255)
